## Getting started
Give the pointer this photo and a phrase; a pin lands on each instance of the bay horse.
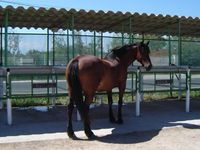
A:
(87, 74)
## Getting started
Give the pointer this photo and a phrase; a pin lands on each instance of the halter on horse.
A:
(87, 74)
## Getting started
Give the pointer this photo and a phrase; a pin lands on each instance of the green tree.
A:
(78, 43)
(94, 47)
(116, 40)
(60, 49)
(37, 56)
(13, 48)
(191, 53)
(13, 43)
(159, 44)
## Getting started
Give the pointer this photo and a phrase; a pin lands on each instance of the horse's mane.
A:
(118, 51)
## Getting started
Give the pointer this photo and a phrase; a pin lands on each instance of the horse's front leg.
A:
(110, 102)
(120, 102)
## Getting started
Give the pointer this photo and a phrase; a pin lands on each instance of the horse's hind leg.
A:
(87, 129)
(110, 102)
(70, 131)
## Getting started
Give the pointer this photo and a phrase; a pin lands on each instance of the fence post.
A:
(53, 100)
(9, 104)
(187, 101)
(179, 87)
(1, 89)
(138, 95)
(141, 87)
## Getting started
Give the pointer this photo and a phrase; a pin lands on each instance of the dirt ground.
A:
(163, 125)
(167, 139)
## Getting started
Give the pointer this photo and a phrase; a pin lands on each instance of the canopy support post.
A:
(72, 28)
(47, 61)
(179, 57)
(130, 30)
(101, 45)
(68, 46)
(94, 43)
(6, 39)
(53, 48)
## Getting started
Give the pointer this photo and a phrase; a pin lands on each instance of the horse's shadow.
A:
(133, 137)
(138, 136)
(155, 117)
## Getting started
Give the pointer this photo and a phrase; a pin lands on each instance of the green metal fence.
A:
(43, 47)
(33, 48)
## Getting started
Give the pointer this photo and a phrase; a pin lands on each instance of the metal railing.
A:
(169, 78)
(50, 82)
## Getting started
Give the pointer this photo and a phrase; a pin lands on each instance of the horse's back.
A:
(85, 63)
(90, 70)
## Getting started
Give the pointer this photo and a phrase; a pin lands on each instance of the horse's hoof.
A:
(93, 137)
(70, 133)
(90, 134)
(120, 121)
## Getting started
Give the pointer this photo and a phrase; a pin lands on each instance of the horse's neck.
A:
(128, 58)
(125, 61)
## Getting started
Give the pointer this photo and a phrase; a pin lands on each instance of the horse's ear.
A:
(148, 43)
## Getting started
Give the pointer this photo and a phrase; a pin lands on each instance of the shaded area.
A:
(155, 116)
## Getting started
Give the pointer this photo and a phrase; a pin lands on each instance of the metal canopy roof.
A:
(99, 21)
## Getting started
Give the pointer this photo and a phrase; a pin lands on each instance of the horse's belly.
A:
(106, 86)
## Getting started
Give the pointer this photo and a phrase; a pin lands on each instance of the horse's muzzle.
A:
(148, 68)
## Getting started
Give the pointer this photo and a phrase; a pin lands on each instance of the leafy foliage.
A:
(191, 53)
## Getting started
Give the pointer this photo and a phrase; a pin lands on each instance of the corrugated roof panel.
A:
(99, 21)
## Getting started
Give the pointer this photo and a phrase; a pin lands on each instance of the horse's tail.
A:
(76, 89)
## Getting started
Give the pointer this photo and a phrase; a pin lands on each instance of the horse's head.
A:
(142, 56)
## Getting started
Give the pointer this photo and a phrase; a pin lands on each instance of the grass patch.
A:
(26, 102)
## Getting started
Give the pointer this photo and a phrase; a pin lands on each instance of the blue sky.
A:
(171, 7)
